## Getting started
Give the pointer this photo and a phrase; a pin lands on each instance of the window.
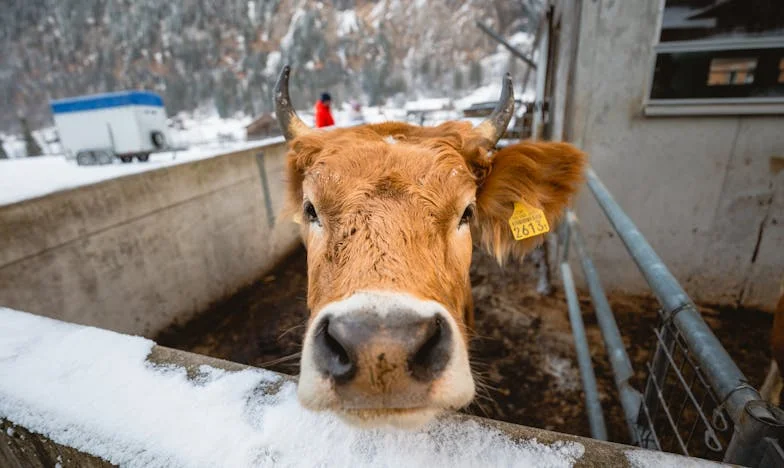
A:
(719, 57)
(732, 71)
(781, 71)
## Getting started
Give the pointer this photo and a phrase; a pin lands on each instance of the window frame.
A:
(710, 106)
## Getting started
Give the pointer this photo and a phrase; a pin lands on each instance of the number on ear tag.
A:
(527, 221)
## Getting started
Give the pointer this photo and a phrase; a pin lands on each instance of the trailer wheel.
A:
(104, 157)
(144, 157)
(158, 139)
(85, 158)
(126, 159)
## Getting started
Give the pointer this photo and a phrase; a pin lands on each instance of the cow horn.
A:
(288, 120)
(494, 126)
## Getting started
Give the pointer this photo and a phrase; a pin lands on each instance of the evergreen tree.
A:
(30, 144)
(457, 80)
(247, 101)
(475, 74)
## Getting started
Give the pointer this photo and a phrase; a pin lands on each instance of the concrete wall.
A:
(138, 253)
(703, 190)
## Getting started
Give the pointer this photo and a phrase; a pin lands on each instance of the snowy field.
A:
(93, 390)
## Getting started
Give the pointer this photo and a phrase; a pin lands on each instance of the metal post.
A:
(537, 37)
(592, 403)
(265, 189)
(540, 258)
(773, 455)
(750, 442)
(541, 77)
(616, 351)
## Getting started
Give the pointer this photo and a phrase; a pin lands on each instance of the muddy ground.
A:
(523, 350)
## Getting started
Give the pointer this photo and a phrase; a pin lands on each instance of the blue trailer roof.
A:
(107, 100)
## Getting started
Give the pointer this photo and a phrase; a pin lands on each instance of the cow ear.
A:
(522, 194)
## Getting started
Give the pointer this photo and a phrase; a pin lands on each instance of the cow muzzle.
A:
(385, 358)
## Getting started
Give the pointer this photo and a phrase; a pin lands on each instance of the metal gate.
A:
(695, 401)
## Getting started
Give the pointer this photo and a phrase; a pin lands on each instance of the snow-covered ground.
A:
(93, 390)
(490, 93)
(432, 104)
(207, 129)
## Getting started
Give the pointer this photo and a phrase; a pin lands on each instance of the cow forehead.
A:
(385, 166)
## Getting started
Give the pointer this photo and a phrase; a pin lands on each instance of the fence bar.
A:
(725, 378)
(592, 403)
(487, 30)
(616, 351)
(656, 378)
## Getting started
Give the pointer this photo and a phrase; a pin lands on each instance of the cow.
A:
(773, 385)
(388, 213)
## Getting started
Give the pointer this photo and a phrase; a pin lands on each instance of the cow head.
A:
(387, 213)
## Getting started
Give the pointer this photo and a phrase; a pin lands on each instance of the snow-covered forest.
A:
(227, 54)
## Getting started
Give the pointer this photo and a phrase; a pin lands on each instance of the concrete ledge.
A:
(268, 428)
(20, 448)
(137, 253)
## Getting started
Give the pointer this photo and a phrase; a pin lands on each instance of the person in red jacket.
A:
(323, 114)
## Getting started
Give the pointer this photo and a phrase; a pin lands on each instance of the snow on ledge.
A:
(25, 178)
(646, 458)
(93, 390)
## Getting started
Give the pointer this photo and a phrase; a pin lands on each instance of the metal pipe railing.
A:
(592, 402)
(723, 374)
(613, 343)
(755, 420)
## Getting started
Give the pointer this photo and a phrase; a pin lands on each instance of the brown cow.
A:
(772, 387)
(387, 212)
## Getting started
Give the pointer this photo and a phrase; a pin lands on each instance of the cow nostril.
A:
(432, 339)
(432, 356)
(336, 349)
(332, 357)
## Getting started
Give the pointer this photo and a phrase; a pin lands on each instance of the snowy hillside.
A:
(227, 54)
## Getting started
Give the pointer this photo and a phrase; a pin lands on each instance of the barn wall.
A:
(138, 253)
(703, 190)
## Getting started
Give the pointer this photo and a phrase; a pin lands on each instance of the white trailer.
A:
(97, 128)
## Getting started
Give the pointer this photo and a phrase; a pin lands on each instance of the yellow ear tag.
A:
(527, 221)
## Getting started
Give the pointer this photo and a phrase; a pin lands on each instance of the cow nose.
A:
(420, 344)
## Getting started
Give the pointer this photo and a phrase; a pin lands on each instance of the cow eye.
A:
(310, 212)
(468, 215)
